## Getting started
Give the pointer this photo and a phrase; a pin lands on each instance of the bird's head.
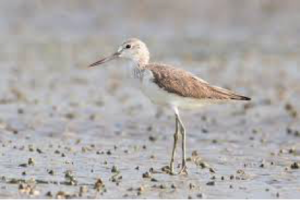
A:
(132, 49)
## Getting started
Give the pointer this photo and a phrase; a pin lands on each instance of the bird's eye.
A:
(128, 46)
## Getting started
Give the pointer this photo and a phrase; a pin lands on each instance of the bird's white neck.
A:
(135, 70)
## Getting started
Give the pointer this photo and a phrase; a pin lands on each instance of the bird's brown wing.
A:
(185, 84)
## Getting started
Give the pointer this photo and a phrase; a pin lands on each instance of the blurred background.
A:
(47, 93)
(48, 43)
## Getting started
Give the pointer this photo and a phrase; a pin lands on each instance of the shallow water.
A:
(70, 118)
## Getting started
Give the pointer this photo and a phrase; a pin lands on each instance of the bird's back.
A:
(185, 84)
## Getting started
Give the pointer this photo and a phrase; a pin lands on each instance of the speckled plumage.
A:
(185, 84)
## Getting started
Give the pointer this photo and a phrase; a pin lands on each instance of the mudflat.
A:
(67, 131)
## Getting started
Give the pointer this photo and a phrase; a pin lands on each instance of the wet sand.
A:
(70, 132)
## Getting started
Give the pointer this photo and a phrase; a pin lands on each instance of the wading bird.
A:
(170, 86)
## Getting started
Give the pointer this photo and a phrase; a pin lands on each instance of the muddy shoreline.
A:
(70, 132)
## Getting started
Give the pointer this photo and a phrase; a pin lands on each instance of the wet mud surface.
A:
(71, 132)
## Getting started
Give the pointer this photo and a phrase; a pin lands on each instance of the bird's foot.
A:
(171, 171)
(183, 170)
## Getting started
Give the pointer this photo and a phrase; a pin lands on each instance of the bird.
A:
(171, 87)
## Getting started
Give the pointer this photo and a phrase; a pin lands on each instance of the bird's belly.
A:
(161, 97)
(156, 94)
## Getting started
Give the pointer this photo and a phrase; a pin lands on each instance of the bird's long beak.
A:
(104, 60)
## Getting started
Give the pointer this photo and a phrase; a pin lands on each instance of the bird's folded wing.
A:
(185, 84)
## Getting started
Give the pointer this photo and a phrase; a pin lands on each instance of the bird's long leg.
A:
(183, 135)
(176, 135)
